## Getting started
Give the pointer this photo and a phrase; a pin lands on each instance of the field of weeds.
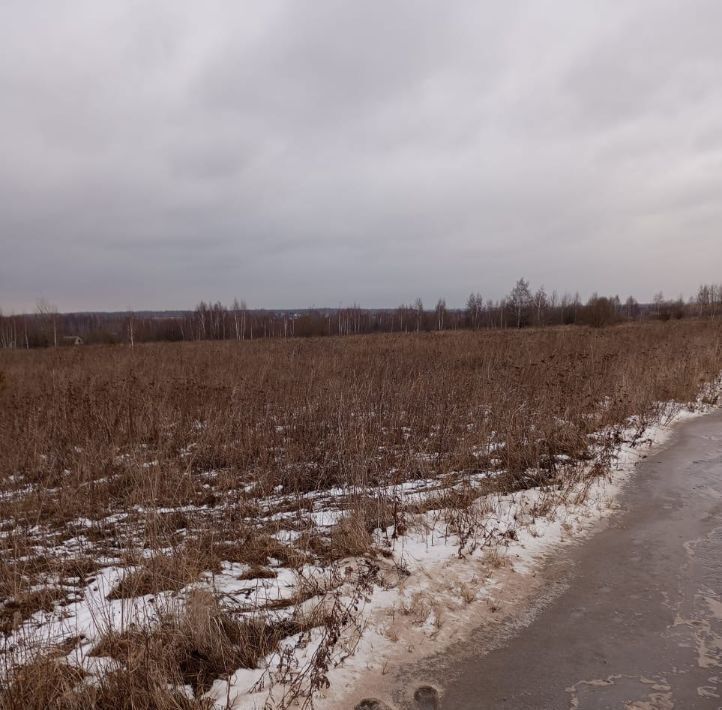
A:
(181, 520)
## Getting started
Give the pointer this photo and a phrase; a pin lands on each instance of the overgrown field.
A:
(205, 491)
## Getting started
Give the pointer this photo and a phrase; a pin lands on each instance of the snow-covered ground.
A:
(428, 593)
(436, 579)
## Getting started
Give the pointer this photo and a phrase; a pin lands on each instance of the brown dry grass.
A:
(99, 429)
(196, 646)
(22, 606)
(350, 537)
(44, 683)
(53, 684)
(192, 647)
(157, 574)
(178, 458)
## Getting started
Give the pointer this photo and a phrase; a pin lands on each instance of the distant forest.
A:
(521, 308)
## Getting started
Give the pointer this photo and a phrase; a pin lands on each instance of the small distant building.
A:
(73, 339)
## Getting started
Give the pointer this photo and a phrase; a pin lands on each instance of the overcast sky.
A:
(319, 152)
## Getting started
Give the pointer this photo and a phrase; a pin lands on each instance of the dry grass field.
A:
(174, 465)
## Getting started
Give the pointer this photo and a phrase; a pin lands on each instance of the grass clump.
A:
(45, 682)
(197, 645)
(159, 573)
(17, 609)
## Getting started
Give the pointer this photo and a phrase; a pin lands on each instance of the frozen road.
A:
(639, 621)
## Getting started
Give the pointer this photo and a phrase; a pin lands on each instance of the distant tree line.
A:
(521, 308)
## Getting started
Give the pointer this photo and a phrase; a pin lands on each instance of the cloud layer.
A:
(298, 153)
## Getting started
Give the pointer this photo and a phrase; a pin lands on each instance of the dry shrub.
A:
(418, 607)
(80, 567)
(15, 610)
(43, 683)
(178, 446)
(164, 525)
(250, 547)
(259, 549)
(468, 592)
(377, 512)
(173, 571)
(53, 684)
(493, 558)
(86, 424)
(451, 499)
(159, 573)
(147, 690)
(258, 572)
(20, 594)
(196, 646)
(350, 536)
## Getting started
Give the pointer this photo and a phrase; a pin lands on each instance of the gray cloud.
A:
(298, 153)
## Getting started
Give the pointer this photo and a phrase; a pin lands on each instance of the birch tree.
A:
(520, 299)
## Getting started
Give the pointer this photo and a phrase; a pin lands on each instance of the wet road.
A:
(639, 624)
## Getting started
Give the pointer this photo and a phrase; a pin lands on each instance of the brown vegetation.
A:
(198, 645)
(176, 459)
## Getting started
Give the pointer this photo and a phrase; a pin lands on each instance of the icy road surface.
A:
(637, 620)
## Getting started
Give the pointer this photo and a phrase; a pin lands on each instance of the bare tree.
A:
(419, 308)
(49, 314)
(709, 297)
(440, 313)
(131, 328)
(540, 304)
(239, 314)
(658, 303)
(520, 299)
(631, 308)
(474, 308)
